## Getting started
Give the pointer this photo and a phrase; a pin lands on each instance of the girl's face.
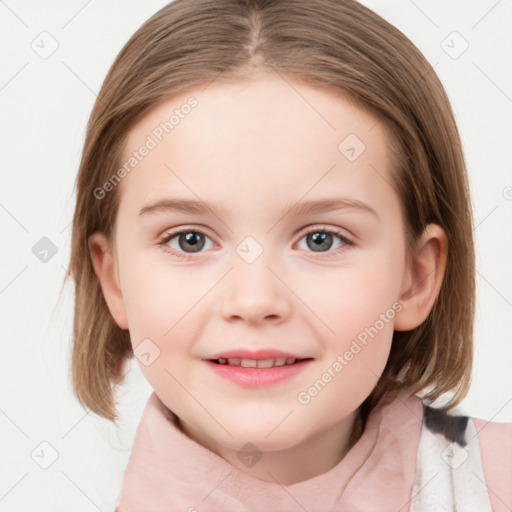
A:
(321, 282)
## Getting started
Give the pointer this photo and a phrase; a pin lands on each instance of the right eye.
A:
(185, 242)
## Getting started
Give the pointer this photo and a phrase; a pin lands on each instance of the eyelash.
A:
(169, 236)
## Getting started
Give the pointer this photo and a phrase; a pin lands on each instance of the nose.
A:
(255, 292)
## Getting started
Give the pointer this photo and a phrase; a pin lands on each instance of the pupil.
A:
(194, 240)
(321, 240)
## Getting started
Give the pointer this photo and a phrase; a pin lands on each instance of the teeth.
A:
(257, 363)
(265, 363)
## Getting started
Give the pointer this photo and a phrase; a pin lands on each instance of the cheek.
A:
(160, 306)
(349, 298)
(357, 305)
(159, 297)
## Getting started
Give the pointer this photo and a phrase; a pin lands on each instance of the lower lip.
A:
(257, 377)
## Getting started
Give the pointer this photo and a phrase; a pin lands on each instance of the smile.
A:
(257, 363)
(255, 373)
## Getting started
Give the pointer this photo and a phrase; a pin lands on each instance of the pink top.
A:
(169, 471)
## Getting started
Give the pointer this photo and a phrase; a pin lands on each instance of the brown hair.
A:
(337, 45)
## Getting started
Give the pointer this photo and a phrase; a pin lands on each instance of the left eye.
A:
(320, 239)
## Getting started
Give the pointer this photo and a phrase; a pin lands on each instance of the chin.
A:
(261, 443)
(264, 437)
(267, 430)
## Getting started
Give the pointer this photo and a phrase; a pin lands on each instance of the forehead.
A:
(244, 141)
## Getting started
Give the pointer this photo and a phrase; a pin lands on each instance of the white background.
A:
(45, 106)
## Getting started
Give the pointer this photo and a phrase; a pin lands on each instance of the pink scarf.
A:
(168, 471)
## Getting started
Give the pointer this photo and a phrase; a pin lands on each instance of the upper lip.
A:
(255, 354)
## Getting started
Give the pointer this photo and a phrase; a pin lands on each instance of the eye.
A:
(322, 240)
(188, 241)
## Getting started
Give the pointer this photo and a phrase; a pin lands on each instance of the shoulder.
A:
(495, 441)
(486, 446)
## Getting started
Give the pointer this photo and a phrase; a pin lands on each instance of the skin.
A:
(252, 148)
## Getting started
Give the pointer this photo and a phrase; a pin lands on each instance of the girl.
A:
(273, 217)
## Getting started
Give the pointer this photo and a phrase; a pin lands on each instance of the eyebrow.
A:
(300, 208)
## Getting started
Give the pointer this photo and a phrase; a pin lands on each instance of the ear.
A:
(423, 278)
(106, 271)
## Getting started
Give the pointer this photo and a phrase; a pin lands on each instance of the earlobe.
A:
(104, 267)
(423, 279)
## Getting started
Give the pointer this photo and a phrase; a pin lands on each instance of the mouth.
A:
(258, 373)
(259, 363)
